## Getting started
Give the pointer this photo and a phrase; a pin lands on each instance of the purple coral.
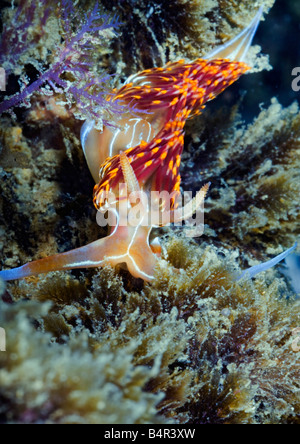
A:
(72, 69)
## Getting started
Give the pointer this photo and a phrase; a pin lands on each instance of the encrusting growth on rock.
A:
(195, 345)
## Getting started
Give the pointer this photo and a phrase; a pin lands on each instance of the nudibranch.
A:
(143, 155)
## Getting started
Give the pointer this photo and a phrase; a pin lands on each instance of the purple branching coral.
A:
(71, 71)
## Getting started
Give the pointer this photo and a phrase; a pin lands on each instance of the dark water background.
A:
(279, 37)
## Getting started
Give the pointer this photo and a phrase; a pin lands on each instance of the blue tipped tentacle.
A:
(253, 271)
(14, 273)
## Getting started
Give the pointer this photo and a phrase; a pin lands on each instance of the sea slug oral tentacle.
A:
(91, 255)
(253, 271)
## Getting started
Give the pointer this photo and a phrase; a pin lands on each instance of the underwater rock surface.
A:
(197, 346)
